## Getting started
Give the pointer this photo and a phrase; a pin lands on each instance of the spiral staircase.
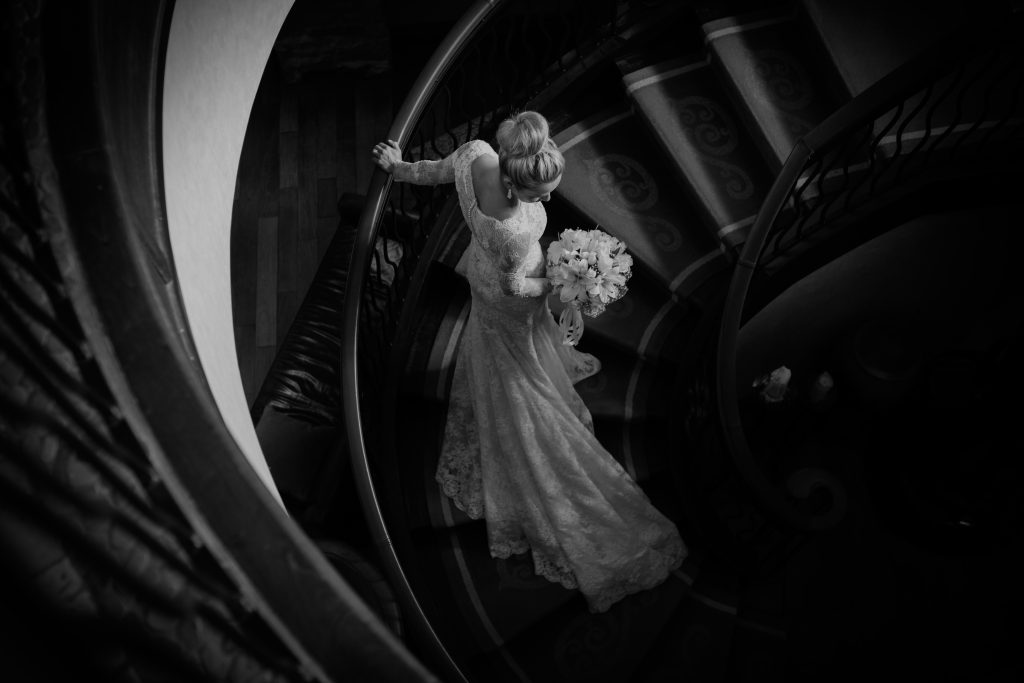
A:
(704, 136)
(673, 140)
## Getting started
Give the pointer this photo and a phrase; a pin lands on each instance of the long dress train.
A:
(519, 448)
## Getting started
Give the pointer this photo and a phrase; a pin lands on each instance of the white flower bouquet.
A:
(588, 269)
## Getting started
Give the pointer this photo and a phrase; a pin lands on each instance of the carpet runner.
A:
(684, 104)
(775, 77)
(868, 39)
(617, 175)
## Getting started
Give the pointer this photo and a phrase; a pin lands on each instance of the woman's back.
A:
(500, 243)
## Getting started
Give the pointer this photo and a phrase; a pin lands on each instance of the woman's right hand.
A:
(387, 155)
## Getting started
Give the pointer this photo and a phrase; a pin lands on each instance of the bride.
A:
(519, 448)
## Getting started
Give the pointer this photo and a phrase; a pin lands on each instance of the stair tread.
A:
(619, 178)
(868, 39)
(685, 106)
(774, 75)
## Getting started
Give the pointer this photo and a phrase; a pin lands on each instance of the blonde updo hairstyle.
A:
(525, 152)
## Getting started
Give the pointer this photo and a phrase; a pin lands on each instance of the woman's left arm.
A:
(511, 279)
(388, 157)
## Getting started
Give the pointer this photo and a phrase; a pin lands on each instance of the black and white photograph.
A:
(511, 341)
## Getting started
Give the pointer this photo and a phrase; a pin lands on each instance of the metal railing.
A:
(952, 111)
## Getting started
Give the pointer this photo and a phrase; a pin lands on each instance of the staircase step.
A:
(616, 175)
(776, 76)
(868, 39)
(690, 113)
(948, 120)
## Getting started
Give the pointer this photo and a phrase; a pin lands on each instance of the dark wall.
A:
(949, 276)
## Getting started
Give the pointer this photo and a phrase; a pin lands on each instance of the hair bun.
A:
(526, 155)
(523, 134)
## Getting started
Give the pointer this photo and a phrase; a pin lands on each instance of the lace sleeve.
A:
(430, 172)
(511, 275)
(426, 172)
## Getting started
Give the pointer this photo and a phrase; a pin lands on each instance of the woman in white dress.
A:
(519, 448)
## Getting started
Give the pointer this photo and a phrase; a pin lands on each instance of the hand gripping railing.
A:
(957, 106)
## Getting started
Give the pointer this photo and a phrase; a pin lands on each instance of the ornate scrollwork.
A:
(797, 126)
(708, 126)
(714, 134)
(736, 181)
(622, 183)
(666, 235)
(788, 85)
(787, 82)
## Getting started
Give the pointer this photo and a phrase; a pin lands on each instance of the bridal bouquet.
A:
(588, 270)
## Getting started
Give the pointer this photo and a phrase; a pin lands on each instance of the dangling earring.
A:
(509, 194)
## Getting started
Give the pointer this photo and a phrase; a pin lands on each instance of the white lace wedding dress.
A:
(519, 448)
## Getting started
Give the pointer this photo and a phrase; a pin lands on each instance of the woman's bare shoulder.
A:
(486, 184)
(483, 168)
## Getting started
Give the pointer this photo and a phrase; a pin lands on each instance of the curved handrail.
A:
(102, 192)
(400, 131)
(807, 167)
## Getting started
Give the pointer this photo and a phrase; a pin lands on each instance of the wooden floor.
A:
(307, 144)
